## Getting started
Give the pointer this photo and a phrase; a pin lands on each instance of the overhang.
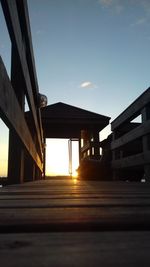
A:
(61, 120)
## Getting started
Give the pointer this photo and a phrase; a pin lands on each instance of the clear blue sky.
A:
(102, 42)
(92, 54)
(105, 43)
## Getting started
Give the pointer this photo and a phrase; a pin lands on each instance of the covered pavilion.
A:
(61, 120)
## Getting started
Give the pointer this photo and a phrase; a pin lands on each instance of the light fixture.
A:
(42, 100)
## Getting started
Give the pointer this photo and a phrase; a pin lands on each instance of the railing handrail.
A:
(132, 110)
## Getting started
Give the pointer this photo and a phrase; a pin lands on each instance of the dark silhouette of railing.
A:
(131, 140)
(25, 132)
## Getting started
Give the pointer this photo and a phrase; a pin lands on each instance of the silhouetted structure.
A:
(131, 141)
(128, 154)
(57, 222)
(61, 120)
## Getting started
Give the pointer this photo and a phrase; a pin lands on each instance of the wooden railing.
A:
(26, 136)
(89, 150)
(131, 141)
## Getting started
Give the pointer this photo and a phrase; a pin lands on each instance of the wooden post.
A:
(146, 141)
(28, 168)
(44, 159)
(15, 160)
(16, 153)
(114, 158)
(80, 156)
(70, 156)
(96, 144)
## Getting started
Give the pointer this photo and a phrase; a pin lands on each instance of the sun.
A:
(75, 174)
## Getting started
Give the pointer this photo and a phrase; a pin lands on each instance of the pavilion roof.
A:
(60, 116)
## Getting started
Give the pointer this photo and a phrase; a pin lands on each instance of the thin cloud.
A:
(87, 84)
(39, 32)
(140, 21)
(115, 5)
(145, 9)
(118, 6)
(106, 3)
(146, 6)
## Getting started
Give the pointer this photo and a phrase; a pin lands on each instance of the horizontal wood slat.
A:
(12, 114)
(105, 249)
(131, 161)
(138, 132)
(132, 110)
(117, 248)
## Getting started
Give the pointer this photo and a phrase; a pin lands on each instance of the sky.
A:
(92, 54)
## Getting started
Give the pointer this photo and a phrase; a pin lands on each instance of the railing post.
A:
(16, 152)
(114, 157)
(80, 154)
(44, 158)
(146, 141)
(96, 144)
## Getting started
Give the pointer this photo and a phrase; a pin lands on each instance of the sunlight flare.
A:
(75, 174)
(75, 180)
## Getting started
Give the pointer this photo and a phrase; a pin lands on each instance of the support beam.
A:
(16, 159)
(96, 144)
(146, 141)
(70, 156)
(80, 155)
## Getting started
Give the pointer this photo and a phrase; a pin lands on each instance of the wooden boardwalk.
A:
(60, 222)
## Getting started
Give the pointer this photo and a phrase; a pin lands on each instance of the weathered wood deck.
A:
(61, 223)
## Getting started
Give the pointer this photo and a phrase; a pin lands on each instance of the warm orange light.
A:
(4, 133)
(75, 174)
(75, 180)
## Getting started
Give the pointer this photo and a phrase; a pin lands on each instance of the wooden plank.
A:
(68, 187)
(62, 205)
(88, 145)
(63, 202)
(135, 160)
(100, 188)
(13, 116)
(131, 111)
(74, 218)
(138, 132)
(13, 24)
(62, 199)
(105, 249)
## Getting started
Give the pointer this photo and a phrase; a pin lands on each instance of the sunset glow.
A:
(75, 174)
(57, 157)
(3, 149)
(75, 180)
